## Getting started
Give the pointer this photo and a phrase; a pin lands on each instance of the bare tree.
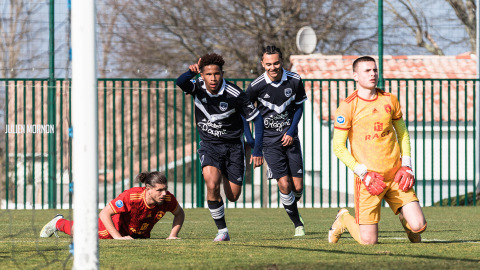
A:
(160, 37)
(411, 28)
(107, 15)
(466, 12)
(17, 32)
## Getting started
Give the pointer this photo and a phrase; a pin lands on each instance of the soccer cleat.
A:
(51, 227)
(299, 231)
(222, 236)
(413, 237)
(337, 228)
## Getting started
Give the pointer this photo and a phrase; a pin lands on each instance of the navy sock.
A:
(288, 201)
(217, 209)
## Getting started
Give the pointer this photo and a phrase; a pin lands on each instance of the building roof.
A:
(318, 66)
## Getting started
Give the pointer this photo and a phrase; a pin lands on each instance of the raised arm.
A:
(184, 81)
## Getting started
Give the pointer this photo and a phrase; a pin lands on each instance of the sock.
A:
(353, 228)
(288, 201)
(298, 195)
(217, 210)
(65, 226)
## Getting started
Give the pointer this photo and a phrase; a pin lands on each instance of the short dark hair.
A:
(361, 59)
(211, 59)
(151, 178)
(272, 50)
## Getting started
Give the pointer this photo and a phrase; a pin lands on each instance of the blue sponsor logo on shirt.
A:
(119, 204)
(340, 119)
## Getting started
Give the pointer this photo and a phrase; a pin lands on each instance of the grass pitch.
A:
(261, 239)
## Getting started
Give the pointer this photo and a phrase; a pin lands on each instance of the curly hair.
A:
(272, 50)
(211, 59)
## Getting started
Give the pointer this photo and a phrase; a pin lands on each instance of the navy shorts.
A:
(284, 160)
(229, 158)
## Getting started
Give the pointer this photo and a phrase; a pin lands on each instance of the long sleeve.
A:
(340, 149)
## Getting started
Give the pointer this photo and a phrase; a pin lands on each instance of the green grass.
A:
(261, 239)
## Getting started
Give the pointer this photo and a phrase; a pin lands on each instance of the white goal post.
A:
(85, 134)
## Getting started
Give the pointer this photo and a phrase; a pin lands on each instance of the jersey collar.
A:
(276, 84)
(220, 92)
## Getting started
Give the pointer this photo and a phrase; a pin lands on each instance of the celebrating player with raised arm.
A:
(372, 120)
(219, 106)
(279, 95)
(132, 214)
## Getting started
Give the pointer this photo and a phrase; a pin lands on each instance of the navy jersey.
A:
(218, 116)
(276, 102)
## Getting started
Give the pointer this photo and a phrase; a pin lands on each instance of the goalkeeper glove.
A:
(373, 181)
(405, 178)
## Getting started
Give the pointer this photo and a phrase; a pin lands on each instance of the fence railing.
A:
(147, 124)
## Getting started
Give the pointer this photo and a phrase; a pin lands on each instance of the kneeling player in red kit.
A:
(132, 214)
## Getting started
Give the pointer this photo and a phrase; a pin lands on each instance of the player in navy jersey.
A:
(279, 95)
(132, 214)
(219, 106)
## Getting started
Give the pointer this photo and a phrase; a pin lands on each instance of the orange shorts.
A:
(367, 206)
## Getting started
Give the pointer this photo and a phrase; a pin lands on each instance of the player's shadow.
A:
(428, 231)
(365, 254)
(449, 241)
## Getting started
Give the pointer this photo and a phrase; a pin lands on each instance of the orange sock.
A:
(353, 228)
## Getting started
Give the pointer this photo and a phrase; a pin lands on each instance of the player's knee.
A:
(419, 227)
(369, 240)
(233, 197)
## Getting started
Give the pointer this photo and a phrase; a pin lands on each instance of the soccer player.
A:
(279, 95)
(219, 106)
(380, 159)
(132, 214)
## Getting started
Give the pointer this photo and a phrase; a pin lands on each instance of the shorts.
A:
(229, 158)
(284, 160)
(367, 206)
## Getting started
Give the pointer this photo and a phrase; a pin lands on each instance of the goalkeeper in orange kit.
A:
(380, 159)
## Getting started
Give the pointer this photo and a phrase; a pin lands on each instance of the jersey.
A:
(218, 116)
(134, 216)
(371, 133)
(276, 102)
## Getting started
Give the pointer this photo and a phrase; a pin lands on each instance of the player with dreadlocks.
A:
(219, 108)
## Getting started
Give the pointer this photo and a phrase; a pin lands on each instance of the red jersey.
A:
(134, 216)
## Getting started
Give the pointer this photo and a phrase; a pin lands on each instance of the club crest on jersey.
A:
(204, 100)
(388, 109)
(119, 203)
(223, 106)
(288, 92)
(340, 119)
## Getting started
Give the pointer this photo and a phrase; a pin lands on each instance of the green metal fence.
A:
(147, 124)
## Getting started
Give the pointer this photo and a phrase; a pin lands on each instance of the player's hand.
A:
(287, 140)
(374, 183)
(173, 238)
(128, 237)
(405, 178)
(257, 161)
(195, 67)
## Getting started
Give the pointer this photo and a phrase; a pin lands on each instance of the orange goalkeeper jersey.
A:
(371, 133)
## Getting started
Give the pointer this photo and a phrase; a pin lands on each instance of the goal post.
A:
(85, 135)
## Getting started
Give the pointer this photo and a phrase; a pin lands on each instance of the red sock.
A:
(65, 226)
